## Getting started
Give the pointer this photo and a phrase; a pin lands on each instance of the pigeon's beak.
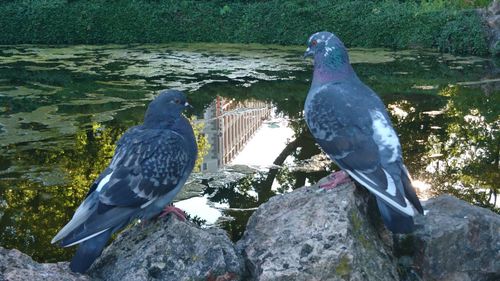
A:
(187, 105)
(308, 53)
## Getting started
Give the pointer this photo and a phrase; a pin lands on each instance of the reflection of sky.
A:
(202, 208)
(267, 143)
(260, 151)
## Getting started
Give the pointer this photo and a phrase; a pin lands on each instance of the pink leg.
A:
(335, 179)
(174, 210)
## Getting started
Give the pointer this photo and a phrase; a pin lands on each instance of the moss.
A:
(343, 269)
(358, 232)
(405, 246)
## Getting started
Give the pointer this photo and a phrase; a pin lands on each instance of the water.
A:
(63, 108)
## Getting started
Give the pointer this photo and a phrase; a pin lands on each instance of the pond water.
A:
(63, 108)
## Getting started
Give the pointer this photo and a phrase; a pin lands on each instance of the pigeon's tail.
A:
(395, 221)
(88, 251)
(410, 193)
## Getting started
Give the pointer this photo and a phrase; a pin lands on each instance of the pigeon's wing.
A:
(147, 164)
(360, 140)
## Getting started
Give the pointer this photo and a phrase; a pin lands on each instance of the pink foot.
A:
(335, 179)
(174, 210)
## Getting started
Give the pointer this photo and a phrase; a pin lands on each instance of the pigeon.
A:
(152, 161)
(350, 123)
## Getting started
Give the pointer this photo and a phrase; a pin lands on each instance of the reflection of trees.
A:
(34, 212)
(31, 213)
(467, 163)
(414, 124)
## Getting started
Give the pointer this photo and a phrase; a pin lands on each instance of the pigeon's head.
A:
(327, 49)
(166, 107)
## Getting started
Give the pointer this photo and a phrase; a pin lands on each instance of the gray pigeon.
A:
(151, 163)
(350, 123)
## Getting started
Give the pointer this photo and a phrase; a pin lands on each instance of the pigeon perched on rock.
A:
(350, 123)
(152, 161)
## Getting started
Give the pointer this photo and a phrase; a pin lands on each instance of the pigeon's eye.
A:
(177, 101)
(314, 43)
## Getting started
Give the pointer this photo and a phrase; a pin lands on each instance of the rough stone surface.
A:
(308, 234)
(454, 241)
(312, 234)
(169, 250)
(16, 266)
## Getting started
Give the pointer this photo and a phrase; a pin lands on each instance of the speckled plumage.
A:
(350, 123)
(152, 161)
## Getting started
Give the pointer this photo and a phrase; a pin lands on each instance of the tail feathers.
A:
(410, 193)
(88, 251)
(96, 224)
(395, 221)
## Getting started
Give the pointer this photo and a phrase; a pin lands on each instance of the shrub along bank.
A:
(359, 23)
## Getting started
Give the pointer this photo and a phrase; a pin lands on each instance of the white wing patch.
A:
(148, 203)
(384, 135)
(103, 182)
(391, 186)
(408, 210)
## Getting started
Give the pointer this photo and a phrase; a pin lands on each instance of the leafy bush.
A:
(364, 23)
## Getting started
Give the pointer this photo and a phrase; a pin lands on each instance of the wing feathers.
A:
(147, 165)
(397, 201)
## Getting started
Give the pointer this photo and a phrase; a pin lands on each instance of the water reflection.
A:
(62, 110)
(229, 125)
(464, 158)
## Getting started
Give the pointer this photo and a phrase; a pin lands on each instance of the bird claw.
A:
(174, 210)
(335, 179)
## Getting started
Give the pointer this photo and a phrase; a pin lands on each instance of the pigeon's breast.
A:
(321, 118)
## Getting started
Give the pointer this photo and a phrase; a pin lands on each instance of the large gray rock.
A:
(169, 250)
(311, 234)
(308, 234)
(16, 266)
(454, 241)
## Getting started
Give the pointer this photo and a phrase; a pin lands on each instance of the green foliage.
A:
(201, 141)
(362, 23)
(459, 4)
(470, 149)
(452, 39)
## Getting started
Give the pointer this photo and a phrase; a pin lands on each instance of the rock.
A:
(16, 266)
(454, 241)
(308, 234)
(311, 234)
(169, 250)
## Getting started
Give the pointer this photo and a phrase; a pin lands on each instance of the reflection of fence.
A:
(229, 126)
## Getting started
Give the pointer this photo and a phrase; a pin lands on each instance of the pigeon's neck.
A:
(182, 126)
(159, 122)
(324, 73)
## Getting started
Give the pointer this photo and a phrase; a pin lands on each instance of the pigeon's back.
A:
(350, 123)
